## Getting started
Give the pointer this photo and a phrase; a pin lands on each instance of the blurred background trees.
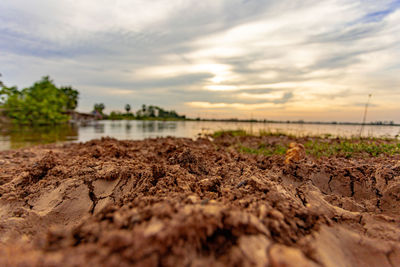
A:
(99, 107)
(72, 97)
(127, 108)
(45, 103)
(42, 103)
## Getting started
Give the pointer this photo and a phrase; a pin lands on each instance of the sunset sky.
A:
(310, 60)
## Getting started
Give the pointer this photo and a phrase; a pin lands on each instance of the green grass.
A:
(323, 146)
(221, 133)
(241, 132)
(348, 148)
(320, 148)
(264, 150)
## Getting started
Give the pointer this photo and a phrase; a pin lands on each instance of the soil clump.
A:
(183, 202)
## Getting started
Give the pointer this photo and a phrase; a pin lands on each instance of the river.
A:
(17, 136)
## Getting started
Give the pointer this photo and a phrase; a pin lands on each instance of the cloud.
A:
(193, 56)
(240, 106)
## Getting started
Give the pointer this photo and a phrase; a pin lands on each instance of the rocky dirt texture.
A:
(180, 202)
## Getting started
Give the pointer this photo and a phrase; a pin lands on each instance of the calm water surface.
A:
(16, 137)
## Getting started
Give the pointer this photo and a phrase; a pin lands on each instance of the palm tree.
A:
(127, 108)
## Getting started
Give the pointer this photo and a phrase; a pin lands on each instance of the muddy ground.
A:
(179, 202)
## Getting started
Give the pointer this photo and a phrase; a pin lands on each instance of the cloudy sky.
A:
(286, 59)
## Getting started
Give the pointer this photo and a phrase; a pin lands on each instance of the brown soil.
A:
(179, 202)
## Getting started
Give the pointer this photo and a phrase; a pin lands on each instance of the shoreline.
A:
(65, 134)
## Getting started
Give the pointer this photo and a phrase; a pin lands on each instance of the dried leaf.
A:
(295, 153)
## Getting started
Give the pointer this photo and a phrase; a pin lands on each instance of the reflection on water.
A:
(20, 136)
(98, 128)
(128, 127)
(15, 137)
(157, 126)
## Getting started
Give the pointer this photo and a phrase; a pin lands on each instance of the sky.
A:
(280, 60)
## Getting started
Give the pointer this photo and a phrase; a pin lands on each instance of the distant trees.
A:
(99, 107)
(127, 108)
(42, 103)
(72, 97)
(45, 103)
(382, 123)
(157, 112)
(116, 115)
(4, 92)
(146, 113)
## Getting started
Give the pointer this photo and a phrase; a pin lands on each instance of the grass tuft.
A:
(264, 150)
(348, 148)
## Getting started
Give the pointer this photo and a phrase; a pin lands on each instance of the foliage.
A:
(266, 150)
(348, 148)
(323, 146)
(154, 112)
(7, 93)
(42, 103)
(72, 97)
(241, 132)
(145, 113)
(127, 108)
(116, 115)
(99, 107)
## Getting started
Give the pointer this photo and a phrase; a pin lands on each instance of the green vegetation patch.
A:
(234, 133)
(348, 148)
(145, 113)
(42, 103)
(241, 133)
(315, 146)
(320, 148)
(266, 150)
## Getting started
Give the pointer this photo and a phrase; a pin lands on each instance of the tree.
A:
(157, 112)
(151, 111)
(99, 107)
(42, 103)
(1, 83)
(127, 108)
(7, 94)
(72, 97)
(3, 93)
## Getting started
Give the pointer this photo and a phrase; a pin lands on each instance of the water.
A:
(16, 137)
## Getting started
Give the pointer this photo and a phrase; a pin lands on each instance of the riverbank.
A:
(14, 136)
(178, 201)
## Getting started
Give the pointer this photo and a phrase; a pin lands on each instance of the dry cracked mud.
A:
(183, 202)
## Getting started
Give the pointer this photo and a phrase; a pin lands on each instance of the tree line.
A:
(42, 103)
(144, 113)
(45, 103)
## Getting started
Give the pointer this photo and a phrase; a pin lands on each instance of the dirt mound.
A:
(176, 202)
